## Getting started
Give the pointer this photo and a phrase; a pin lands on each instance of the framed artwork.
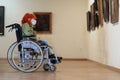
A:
(105, 5)
(96, 20)
(88, 21)
(44, 22)
(114, 11)
(96, 16)
(100, 13)
(1, 20)
(96, 5)
(92, 27)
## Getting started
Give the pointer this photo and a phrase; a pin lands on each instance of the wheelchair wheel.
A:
(9, 56)
(46, 67)
(52, 68)
(27, 56)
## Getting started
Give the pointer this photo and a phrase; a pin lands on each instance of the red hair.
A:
(27, 18)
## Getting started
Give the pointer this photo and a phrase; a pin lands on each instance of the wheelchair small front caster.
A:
(52, 68)
(46, 67)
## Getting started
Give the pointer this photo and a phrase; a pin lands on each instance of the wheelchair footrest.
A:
(55, 59)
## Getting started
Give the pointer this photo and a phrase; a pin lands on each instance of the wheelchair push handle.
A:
(13, 26)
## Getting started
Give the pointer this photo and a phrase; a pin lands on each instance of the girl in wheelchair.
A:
(27, 54)
(28, 24)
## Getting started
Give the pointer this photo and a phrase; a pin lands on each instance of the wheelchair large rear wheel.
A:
(27, 56)
(9, 56)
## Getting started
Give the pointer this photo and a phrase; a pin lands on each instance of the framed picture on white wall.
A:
(114, 11)
(44, 22)
(1, 20)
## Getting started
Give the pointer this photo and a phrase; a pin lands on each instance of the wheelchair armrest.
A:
(28, 36)
(31, 37)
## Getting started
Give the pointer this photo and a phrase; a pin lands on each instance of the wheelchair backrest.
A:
(18, 32)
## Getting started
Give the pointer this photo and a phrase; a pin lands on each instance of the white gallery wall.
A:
(68, 24)
(104, 43)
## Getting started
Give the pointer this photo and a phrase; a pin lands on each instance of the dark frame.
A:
(88, 21)
(100, 9)
(44, 22)
(1, 20)
(92, 17)
(105, 5)
(114, 11)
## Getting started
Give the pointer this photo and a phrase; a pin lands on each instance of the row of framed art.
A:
(102, 11)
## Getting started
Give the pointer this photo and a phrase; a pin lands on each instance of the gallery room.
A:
(74, 40)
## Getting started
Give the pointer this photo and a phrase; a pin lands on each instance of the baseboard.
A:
(106, 66)
(75, 59)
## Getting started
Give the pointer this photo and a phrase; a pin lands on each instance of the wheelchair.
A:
(27, 55)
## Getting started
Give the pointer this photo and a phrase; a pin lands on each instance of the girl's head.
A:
(29, 18)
